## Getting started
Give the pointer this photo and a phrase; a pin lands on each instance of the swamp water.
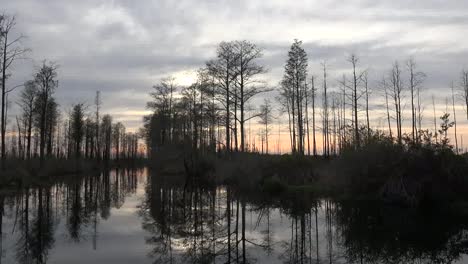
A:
(131, 216)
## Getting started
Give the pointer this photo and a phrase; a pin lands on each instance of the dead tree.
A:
(10, 50)
(313, 95)
(367, 93)
(266, 119)
(385, 89)
(454, 119)
(464, 86)
(26, 102)
(396, 83)
(325, 121)
(357, 78)
(415, 81)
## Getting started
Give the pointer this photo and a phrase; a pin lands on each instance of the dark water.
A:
(129, 216)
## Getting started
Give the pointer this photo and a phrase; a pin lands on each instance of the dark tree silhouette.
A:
(246, 70)
(223, 72)
(77, 128)
(10, 51)
(293, 90)
(27, 98)
(46, 79)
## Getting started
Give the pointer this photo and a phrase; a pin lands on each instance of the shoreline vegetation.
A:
(200, 135)
(420, 176)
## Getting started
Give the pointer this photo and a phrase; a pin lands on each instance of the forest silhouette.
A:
(350, 192)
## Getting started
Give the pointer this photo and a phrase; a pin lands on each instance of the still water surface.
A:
(131, 216)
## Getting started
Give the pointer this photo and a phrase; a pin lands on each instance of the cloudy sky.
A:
(122, 47)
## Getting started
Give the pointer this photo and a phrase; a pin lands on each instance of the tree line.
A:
(212, 113)
(40, 129)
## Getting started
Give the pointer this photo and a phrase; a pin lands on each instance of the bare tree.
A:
(454, 118)
(335, 103)
(344, 87)
(52, 117)
(10, 50)
(97, 103)
(223, 73)
(26, 102)
(385, 88)
(266, 119)
(357, 78)
(106, 137)
(285, 99)
(89, 137)
(191, 95)
(415, 80)
(367, 93)
(117, 137)
(46, 82)
(20, 138)
(325, 119)
(464, 86)
(306, 87)
(313, 95)
(435, 118)
(397, 89)
(246, 70)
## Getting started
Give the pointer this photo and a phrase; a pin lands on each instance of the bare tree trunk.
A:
(314, 141)
(299, 117)
(418, 103)
(293, 112)
(413, 110)
(29, 135)
(3, 117)
(20, 146)
(354, 61)
(290, 126)
(397, 88)
(454, 120)
(367, 105)
(388, 110)
(343, 112)
(326, 145)
(464, 84)
(435, 119)
(307, 118)
(236, 136)
(98, 120)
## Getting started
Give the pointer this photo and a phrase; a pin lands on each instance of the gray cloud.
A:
(121, 47)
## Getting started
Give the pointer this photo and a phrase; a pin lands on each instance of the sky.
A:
(123, 47)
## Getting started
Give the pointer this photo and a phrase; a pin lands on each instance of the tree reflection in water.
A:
(213, 224)
(79, 201)
(208, 224)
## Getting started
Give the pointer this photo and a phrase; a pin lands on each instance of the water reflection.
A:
(35, 212)
(208, 225)
(124, 216)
